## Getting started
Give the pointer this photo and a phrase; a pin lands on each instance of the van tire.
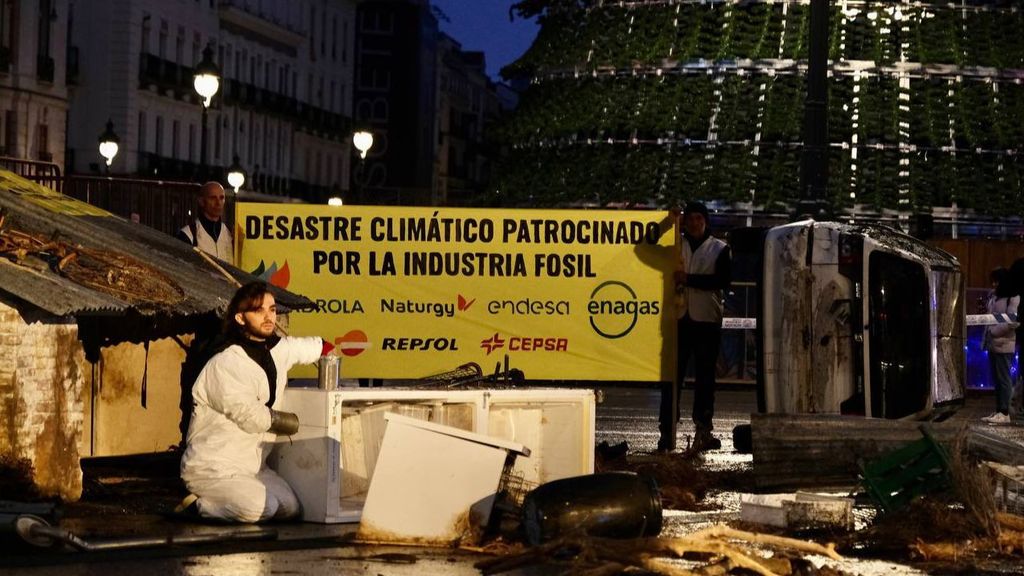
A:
(743, 439)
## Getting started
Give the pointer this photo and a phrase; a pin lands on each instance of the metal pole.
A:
(202, 147)
(814, 162)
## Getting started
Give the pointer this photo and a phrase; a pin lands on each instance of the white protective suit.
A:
(228, 442)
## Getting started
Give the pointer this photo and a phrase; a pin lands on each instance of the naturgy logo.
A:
(614, 309)
(273, 275)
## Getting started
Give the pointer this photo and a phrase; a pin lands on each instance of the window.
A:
(179, 46)
(142, 131)
(43, 143)
(158, 143)
(175, 126)
(900, 335)
(145, 34)
(334, 38)
(312, 33)
(11, 133)
(161, 48)
(344, 40)
(191, 142)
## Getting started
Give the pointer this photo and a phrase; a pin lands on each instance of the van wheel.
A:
(743, 439)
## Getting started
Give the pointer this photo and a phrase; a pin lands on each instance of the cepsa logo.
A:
(614, 309)
(279, 277)
(524, 344)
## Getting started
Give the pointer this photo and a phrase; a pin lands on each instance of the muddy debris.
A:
(718, 549)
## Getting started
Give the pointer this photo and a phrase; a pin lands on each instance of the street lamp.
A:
(236, 176)
(206, 82)
(362, 140)
(335, 201)
(108, 144)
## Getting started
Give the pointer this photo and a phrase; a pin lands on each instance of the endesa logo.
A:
(614, 309)
(404, 344)
(524, 344)
(528, 307)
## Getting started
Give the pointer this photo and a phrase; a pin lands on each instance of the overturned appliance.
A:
(859, 320)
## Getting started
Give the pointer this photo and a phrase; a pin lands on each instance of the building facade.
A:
(428, 103)
(33, 91)
(283, 108)
(468, 104)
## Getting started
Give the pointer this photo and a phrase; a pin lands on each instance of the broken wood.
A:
(823, 450)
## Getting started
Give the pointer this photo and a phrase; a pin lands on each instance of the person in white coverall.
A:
(234, 423)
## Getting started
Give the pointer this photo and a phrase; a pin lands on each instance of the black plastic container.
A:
(609, 505)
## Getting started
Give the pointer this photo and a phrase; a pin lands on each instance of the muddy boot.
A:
(704, 441)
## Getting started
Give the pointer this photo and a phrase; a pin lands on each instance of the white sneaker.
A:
(999, 418)
(989, 417)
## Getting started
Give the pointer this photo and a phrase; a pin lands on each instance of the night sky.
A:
(484, 25)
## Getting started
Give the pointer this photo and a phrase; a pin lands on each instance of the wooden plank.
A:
(818, 451)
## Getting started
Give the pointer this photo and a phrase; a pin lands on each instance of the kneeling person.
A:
(224, 464)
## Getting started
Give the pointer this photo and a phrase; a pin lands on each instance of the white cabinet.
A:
(330, 461)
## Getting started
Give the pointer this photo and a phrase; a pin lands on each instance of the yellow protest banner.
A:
(410, 292)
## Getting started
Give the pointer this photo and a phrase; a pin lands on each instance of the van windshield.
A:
(900, 336)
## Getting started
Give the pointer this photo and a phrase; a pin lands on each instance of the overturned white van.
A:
(859, 320)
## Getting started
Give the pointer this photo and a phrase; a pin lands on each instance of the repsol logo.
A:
(419, 344)
(528, 307)
(614, 309)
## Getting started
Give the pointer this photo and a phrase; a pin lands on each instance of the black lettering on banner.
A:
(330, 228)
(336, 262)
(578, 232)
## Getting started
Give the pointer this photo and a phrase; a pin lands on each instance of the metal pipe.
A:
(37, 532)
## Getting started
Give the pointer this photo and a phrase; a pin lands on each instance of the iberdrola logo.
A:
(273, 275)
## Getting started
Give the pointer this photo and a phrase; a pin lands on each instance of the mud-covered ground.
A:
(133, 497)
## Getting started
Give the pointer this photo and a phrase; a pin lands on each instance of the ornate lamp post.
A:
(109, 144)
(206, 82)
(236, 175)
(363, 141)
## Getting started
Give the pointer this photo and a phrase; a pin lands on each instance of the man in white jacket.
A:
(234, 422)
(207, 231)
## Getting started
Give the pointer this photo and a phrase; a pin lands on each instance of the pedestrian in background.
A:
(704, 274)
(1000, 343)
(207, 231)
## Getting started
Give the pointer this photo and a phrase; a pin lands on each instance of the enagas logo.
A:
(277, 276)
(352, 343)
(524, 344)
(614, 309)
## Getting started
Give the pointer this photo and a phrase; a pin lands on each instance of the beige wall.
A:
(120, 425)
(55, 407)
(42, 372)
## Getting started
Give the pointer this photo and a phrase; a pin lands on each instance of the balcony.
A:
(166, 76)
(237, 17)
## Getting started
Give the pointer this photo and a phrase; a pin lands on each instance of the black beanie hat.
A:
(695, 208)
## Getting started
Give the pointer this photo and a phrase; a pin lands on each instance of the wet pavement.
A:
(625, 414)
